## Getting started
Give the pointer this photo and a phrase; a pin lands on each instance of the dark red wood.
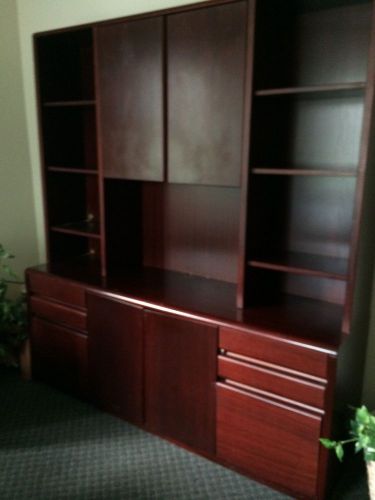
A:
(302, 171)
(366, 159)
(58, 313)
(205, 243)
(272, 381)
(73, 170)
(180, 364)
(246, 134)
(57, 289)
(100, 166)
(273, 351)
(338, 87)
(206, 56)
(130, 71)
(56, 104)
(269, 441)
(302, 263)
(59, 356)
(116, 356)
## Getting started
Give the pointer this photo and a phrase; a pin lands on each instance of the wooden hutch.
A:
(204, 172)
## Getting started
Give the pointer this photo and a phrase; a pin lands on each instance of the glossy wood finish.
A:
(296, 320)
(59, 356)
(248, 438)
(57, 289)
(116, 357)
(180, 364)
(271, 381)
(205, 244)
(206, 55)
(58, 313)
(258, 117)
(130, 70)
(271, 350)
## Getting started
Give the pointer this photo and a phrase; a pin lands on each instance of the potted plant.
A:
(12, 314)
(362, 432)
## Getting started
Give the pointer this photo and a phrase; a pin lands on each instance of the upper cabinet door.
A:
(130, 78)
(206, 71)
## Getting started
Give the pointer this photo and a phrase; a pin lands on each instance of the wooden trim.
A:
(41, 150)
(368, 130)
(248, 87)
(99, 153)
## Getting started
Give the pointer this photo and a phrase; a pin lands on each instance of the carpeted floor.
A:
(53, 446)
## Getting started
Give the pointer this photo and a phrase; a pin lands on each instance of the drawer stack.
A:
(58, 319)
(271, 397)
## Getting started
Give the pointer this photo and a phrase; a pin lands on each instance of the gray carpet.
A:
(53, 446)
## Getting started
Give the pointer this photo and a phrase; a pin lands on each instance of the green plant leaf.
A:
(328, 443)
(362, 415)
(339, 449)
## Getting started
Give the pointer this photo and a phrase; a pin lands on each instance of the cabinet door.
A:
(180, 380)
(130, 72)
(269, 441)
(116, 357)
(206, 67)
(59, 356)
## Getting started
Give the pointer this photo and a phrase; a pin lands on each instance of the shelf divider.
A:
(311, 89)
(73, 170)
(304, 264)
(75, 103)
(303, 171)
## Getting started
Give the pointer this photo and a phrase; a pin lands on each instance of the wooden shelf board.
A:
(80, 228)
(75, 103)
(302, 171)
(311, 89)
(304, 264)
(72, 170)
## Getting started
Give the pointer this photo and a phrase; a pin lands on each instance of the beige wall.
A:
(41, 15)
(17, 220)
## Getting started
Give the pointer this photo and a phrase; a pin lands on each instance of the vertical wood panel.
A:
(130, 70)
(206, 68)
(116, 357)
(191, 229)
(180, 366)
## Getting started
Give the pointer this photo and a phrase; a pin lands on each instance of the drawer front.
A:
(269, 441)
(57, 289)
(59, 356)
(279, 384)
(58, 313)
(274, 351)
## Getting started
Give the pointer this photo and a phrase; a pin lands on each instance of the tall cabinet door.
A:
(180, 373)
(115, 350)
(206, 70)
(130, 79)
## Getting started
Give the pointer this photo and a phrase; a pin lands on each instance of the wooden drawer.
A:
(270, 350)
(279, 384)
(58, 313)
(57, 289)
(59, 356)
(269, 441)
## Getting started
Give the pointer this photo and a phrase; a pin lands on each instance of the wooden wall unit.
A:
(204, 170)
